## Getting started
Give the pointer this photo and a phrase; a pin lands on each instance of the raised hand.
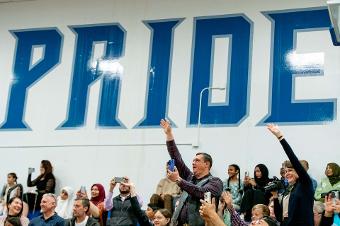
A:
(274, 129)
(227, 199)
(112, 185)
(329, 206)
(207, 209)
(173, 175)
(165, 124)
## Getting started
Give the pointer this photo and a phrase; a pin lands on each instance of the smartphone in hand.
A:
(207, 197)
(119, 179)
(31, 170)
(171, 165)
(82, 189)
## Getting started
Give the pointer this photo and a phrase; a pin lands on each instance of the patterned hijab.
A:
(101, 196)
(335, 178)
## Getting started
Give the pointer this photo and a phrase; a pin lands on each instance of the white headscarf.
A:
(65, 207)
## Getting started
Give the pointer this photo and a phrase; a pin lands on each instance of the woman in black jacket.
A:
(45, 183)
(296, 208)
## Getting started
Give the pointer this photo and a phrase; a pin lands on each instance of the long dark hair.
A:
(236, 167)
(265, 175)
(46, 164)
(10, 202)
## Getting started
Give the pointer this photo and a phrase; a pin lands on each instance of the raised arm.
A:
(142, 218)
(183, 170)
(208, 213)
(303, 175)
(31, 183)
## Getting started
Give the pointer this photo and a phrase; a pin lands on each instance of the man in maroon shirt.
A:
(194, 184)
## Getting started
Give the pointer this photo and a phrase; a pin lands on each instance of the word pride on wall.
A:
(282, 107)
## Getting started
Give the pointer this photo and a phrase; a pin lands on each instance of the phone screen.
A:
(119, 179)
(82, 189)
(171, 165)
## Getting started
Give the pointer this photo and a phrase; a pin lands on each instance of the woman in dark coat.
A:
(45, 183)
(296, 208)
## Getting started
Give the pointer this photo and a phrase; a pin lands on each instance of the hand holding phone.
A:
(31, 170)
(207, 197)
(334, 195)
(82, 189)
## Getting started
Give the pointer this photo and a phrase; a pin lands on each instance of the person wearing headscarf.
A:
(330, 182)
(65, 202)
(97, 198)
(254, 190)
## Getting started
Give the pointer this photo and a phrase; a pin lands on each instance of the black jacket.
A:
(90, 222)
(301, 200)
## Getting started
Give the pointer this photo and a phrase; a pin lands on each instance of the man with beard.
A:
(120, 206)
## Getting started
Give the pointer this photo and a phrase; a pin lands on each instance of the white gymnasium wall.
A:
(94, 155)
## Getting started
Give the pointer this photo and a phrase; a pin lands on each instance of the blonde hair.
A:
(265, 209)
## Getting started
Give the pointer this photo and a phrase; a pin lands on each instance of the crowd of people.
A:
(183, 197)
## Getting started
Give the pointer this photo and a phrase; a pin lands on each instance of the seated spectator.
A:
(120, 207)
(150, 211)
(166, 191)
(260, 213)
(331, 217)
(11, 189)
(65, 203)
(305, 165)
(45, 183)
(318, 210)
(12, 221)
(48, 215)
(96, 204)
(14, 209)
(162, 217)
(97, 198)
(330, 182)
(254, 190)
(81, 208)
(234, 185)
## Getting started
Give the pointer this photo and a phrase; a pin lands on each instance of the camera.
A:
(274, 185)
